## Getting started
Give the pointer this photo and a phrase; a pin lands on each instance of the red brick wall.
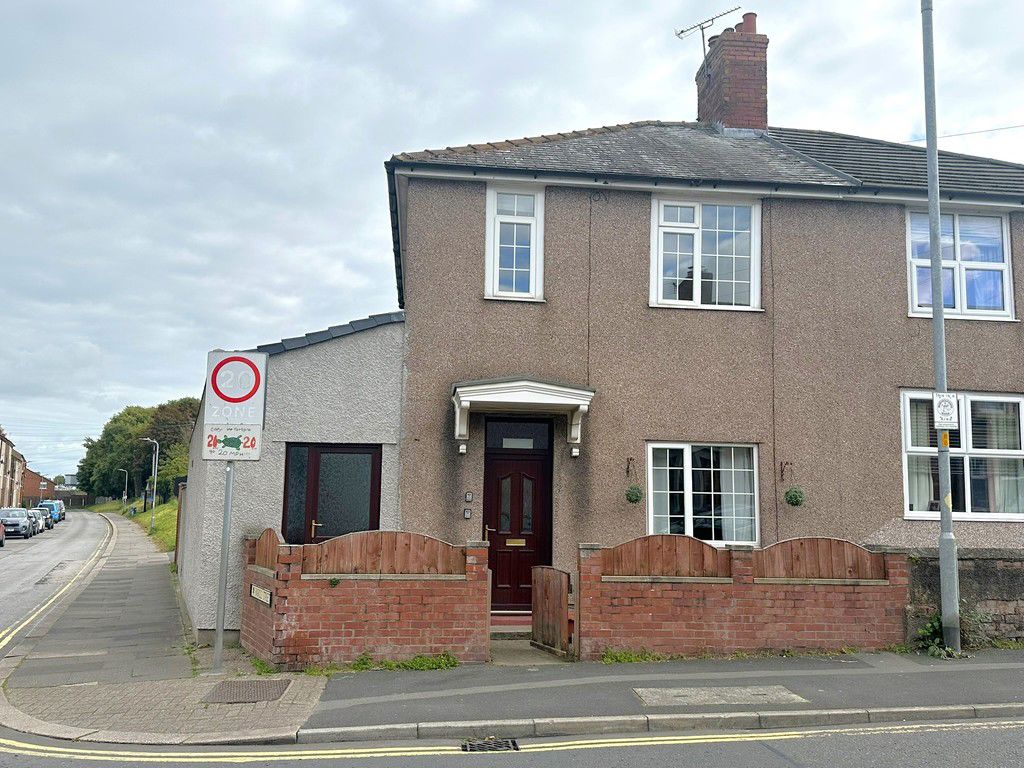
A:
(693, 617)
(310, 621)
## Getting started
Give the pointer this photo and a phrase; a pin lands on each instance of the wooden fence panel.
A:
(266, 549)
(383, 552)
(666, 555)
(817, 558)
(551, 608)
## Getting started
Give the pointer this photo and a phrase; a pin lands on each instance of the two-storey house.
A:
(704, 315)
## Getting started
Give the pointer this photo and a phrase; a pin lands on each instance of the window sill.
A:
(698, 307)
(960, 517)
(949, 316)
(527, 299)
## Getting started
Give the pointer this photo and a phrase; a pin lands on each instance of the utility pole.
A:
(156, 468)
(124, 496)
(949, 579)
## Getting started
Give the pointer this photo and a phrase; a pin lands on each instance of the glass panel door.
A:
(343, 496)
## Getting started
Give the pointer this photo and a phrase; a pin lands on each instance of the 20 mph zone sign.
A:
(235, 393)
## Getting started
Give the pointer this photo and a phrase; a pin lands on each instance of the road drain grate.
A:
(246, 691)
(490, 745)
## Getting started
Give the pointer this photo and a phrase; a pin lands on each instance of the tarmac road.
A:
(31, 570)
(914, 745)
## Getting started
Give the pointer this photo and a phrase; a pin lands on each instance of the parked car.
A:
(63, 512)
(55, 512)
(17, 522)
(35, 521)
(47, 516)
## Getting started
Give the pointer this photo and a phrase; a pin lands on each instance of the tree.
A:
(58, 480)
(120, 446)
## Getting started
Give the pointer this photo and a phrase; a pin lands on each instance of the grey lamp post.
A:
(124, 496)
(156, 468)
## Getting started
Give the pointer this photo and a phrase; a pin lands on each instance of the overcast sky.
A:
(176, 177)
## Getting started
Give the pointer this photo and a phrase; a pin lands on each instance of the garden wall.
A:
(677, 595)
(391, 594)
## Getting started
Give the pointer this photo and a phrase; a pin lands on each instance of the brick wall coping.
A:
(592, 546)
(964, 553)
(833, 582)
(265, 571)
(383, 576)
(669, 579)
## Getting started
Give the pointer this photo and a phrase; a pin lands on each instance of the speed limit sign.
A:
(233, 415)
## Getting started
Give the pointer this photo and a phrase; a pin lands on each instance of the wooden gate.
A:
(550, 606)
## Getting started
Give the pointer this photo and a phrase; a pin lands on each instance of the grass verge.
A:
(164, 517)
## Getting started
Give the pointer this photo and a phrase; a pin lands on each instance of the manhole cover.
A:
(490, 745)
(740, 694)
(246, 691)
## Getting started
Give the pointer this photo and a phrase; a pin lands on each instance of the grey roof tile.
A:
(334, 332)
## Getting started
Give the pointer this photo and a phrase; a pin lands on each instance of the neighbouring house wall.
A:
(320, 616)
(347, 390)
(725, 605)
(991, 591)
(813, 379)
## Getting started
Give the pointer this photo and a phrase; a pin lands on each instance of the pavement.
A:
(105, 658)
(111, 661)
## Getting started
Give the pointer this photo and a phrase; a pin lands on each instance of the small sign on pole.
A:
(945, 411)
(233, 422)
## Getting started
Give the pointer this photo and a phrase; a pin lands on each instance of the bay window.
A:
(986, 457)
(705, 491)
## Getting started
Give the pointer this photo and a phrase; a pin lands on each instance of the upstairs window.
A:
(705, 255)
(515, 244)
(976, 279)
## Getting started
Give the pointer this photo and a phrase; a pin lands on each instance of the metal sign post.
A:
(233, 426)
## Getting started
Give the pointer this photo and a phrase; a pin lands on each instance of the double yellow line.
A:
(306, 754)
(8, 634)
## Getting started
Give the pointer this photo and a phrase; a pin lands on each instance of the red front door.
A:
(517, 516)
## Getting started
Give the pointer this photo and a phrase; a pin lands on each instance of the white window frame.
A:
(658, 203)
(687, 448)
(536, 223)
(960, 310)
(966, 451)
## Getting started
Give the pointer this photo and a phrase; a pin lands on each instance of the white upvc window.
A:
(515, 243)
(986, 458)
(705, 254)
(704, 490)
(977, 281)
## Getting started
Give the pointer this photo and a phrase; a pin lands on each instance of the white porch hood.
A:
(528, 396)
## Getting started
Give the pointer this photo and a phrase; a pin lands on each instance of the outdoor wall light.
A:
(462, 449)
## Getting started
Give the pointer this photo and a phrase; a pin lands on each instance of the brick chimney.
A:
(732, 83)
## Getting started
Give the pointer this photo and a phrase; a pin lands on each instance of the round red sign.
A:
(255, 378)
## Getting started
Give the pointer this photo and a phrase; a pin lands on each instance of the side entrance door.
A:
(517, 516)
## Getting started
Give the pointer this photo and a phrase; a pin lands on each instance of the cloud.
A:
(202, 174)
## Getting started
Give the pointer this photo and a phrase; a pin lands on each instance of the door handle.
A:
(313, 527)
(488, 531)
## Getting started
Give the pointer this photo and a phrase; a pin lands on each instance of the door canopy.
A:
(526, 396)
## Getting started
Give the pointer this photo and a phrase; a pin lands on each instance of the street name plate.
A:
(261, 594)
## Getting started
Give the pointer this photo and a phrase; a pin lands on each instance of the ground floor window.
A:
(330, 490)
(705, 491)
(986, 457)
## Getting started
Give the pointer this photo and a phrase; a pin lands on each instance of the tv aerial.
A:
(702, 26)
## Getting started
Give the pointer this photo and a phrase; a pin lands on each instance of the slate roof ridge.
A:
(334, 332)
(467, 149)
(889, 143)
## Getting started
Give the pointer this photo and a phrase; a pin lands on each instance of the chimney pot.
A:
(732, 82)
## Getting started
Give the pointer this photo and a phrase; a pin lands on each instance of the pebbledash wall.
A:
(391, 595)
(814, 380)
(342, 390)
